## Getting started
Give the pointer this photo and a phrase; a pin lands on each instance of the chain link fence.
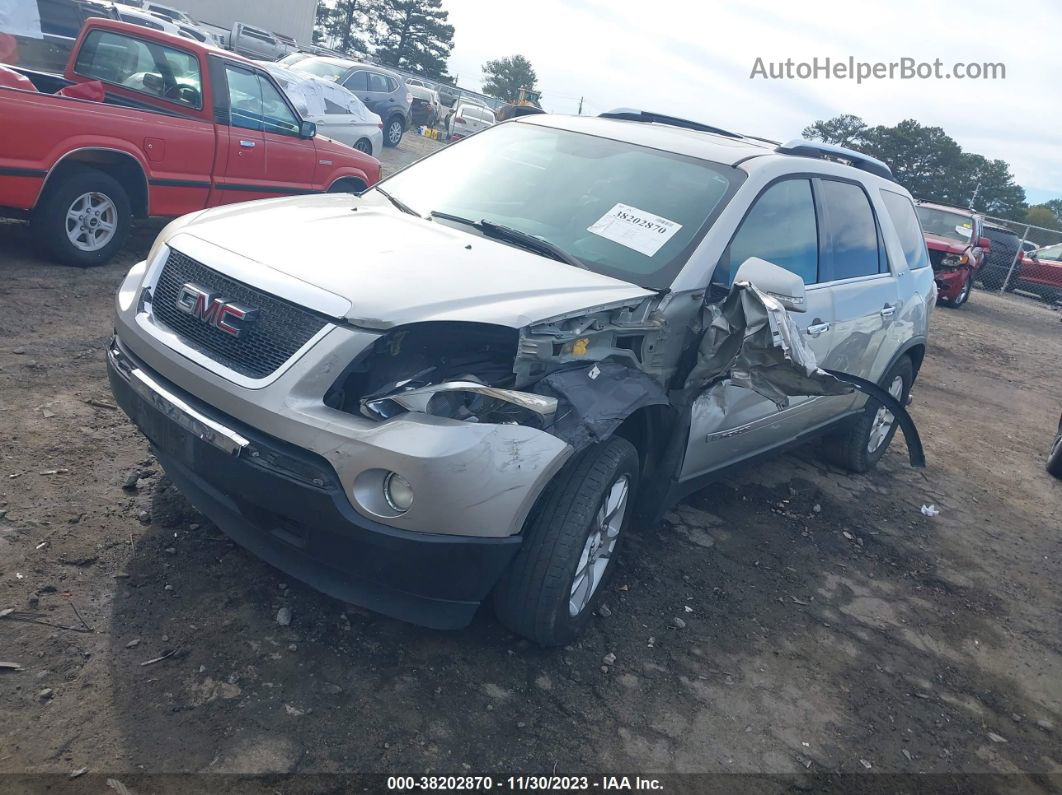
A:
(1023, 257)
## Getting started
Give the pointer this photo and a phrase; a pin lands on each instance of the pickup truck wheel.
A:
(860, 446)
(559, 575)
(962, 297)
(85, 219)
(395, 128)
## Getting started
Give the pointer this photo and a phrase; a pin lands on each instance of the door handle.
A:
(888, 311)
(816, 329)
(247, 144)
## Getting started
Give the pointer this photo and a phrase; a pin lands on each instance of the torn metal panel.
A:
(595, 399)
(750, 338)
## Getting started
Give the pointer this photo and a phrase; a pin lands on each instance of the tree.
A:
(506, 76)
(1055, 206)
(929, 163)
(345, 24)
(1043, 215)
(414, 35)
(844, 130)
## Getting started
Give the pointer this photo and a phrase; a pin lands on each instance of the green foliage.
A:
(413, 35)
(343, 26)
(1043, 215)
(929, 163)
(505, 77)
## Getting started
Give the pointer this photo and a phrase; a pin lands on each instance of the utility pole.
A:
(580, 112)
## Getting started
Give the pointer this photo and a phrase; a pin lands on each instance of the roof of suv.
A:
(349, 64)
(683, 141)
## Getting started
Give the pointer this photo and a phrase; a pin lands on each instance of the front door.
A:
(731, 423)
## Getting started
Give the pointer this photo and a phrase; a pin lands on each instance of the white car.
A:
(338, 113)
(468, 119)
(135, 16)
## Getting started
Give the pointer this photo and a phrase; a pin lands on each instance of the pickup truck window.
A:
(255, 104)
(143, 66)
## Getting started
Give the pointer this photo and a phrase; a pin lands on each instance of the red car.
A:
(142, 123)
(957, 249)
(1040, 272)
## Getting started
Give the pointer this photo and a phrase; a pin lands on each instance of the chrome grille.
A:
(281, 327)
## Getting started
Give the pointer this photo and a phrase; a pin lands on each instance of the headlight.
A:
(953, 261)
(466, 400)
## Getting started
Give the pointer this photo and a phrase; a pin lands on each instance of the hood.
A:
(946, 244)
(394, 268)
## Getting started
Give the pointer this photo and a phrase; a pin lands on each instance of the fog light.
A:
(397, 492)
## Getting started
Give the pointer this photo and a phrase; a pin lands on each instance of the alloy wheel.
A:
(884, 419)
(600, 544)
(91, 221)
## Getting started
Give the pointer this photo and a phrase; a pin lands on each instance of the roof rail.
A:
(630, 114)
(802, 148)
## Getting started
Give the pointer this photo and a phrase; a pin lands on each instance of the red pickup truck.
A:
(142, 124)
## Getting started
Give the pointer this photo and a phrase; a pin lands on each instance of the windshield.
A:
(954, 226)
(623, 210)
(325, 69)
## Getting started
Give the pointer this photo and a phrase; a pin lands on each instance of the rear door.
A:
(782, 226)
(866, 295)
(357, 82)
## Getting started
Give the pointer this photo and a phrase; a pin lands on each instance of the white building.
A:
(293, 18)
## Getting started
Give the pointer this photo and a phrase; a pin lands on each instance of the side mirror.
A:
(984, 243)
(783, 285)
(307, 129)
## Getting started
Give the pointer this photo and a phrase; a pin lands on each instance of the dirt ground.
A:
(828, 624)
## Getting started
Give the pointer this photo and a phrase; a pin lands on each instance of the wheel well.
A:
(917, 354)
(648, 430)
(347, 185)
(119, 165)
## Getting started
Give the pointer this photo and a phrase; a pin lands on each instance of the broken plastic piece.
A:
(930, 510)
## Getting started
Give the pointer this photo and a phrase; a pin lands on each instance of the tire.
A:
(363, 145)
(543, 587)
(962, 297)
(852, 447)
(393, 133)
(1054, 458)
(102, 199)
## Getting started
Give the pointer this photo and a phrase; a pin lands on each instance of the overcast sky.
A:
(693, 59)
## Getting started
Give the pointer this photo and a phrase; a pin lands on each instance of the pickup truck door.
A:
(245, 166)
(267, 158)
(736, 423)
(291, 161)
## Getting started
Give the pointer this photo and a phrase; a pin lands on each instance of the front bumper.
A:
(288, 507)
(950, 282)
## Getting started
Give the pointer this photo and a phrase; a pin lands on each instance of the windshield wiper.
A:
(401, 205)
(523, 239)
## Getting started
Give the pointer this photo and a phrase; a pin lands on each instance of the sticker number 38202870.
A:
(636, 229)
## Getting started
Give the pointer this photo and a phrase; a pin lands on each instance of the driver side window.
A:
(781, 227)
(255, 104)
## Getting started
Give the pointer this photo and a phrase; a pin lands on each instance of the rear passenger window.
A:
(904, 219)
(378, 83)
(359, 81)
(780, 228)
(852, 232)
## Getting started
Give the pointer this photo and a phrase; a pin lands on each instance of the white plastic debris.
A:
(930, 510)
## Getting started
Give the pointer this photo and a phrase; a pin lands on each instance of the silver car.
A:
(465, 383)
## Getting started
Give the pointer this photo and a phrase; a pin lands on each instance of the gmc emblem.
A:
(212, 309)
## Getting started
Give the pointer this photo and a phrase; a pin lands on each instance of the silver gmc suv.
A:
(469, 381)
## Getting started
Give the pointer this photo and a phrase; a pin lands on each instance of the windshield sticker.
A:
(636, 229)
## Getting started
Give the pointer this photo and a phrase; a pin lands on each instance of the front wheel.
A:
(1054, 459)
(559, 575)
(862, 443)
(962, 297)
(394, 131)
